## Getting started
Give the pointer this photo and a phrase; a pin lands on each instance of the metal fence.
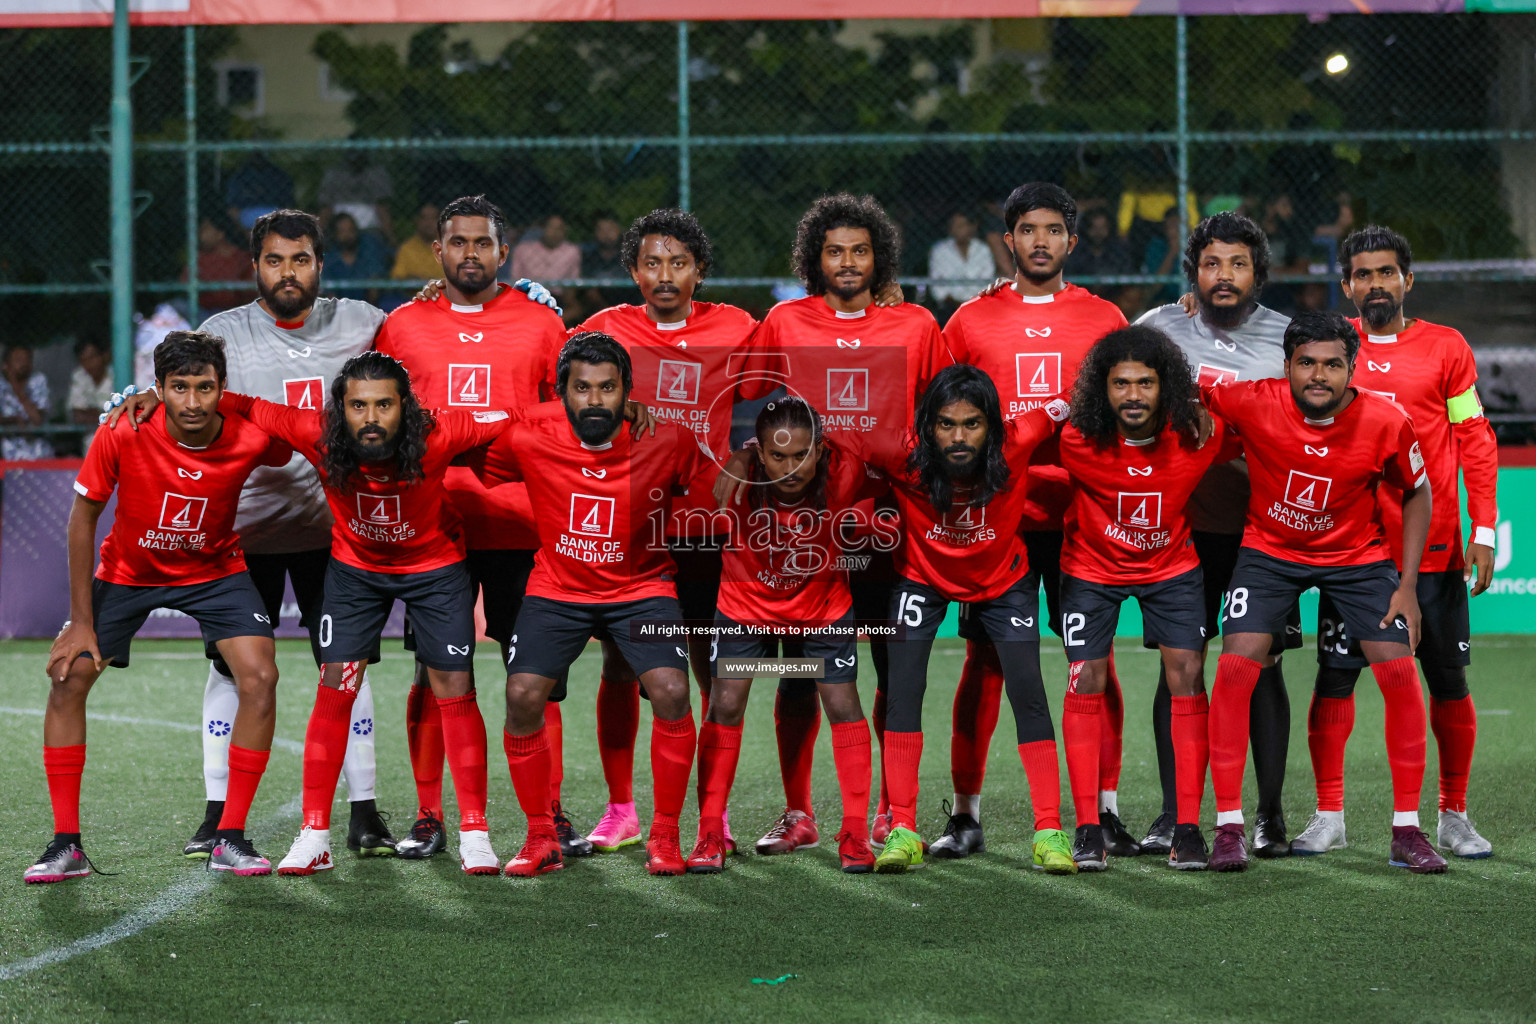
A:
(1424, 122)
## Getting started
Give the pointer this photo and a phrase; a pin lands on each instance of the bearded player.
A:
(1429, 371)
(1228, 336)
(1318, 447)
(1029, 336)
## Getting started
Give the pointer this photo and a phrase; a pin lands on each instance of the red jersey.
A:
(691, 373)
(602, 511)
(1126, 523)
(1031, 345)
(383, 525)
(494, 356)
(782, 565)
(1429, 371)
(965, 553)
(1314, 483)
(175, 521)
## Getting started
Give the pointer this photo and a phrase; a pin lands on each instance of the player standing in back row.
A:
(1429, 371)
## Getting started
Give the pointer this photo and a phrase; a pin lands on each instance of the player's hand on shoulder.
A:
(538, 293)
(891, 295)
(139, 404)
(731, 485)
(996, 286)
(1188, 301)
(640, 415)
(73, 640)
(1207, 425)
(430, 291)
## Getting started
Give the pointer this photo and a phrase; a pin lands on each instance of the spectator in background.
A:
(1099, 252)
(219, 259)
(1291, 249)
(414, 260)
(1161, 256)
(360, 189)
(258, 186)
(600, 258)
(24, 401)
(550, 257)
(89, 386)
(960, 257)
(352, 255)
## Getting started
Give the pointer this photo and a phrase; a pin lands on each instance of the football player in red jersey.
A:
(1427, 369)
(478, 344)
(1134, 453)
(958, 480)
(601, 501)
(1317, 449)
(784, 580)
(861, 366)
(692, 361)
(1029, 336)
(172, 545)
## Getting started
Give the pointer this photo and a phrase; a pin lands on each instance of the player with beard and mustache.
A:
(1029, 335)
(1227, 336)
(1429, 370)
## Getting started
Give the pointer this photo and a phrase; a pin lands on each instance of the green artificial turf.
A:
(1340, 937)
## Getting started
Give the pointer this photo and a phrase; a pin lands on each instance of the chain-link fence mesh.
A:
(1423, 122)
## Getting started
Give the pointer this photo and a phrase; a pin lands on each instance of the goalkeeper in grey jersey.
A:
(1228, 337)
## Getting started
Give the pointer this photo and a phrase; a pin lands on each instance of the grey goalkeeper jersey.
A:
(1253, 350)
(283, 509)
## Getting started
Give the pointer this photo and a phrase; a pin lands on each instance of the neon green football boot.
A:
(1053, 852)
(903, 851)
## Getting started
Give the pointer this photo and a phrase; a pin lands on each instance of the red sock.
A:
(1406, 727)
(796, 734)
(877, 721)
(528, 761)
(618, 720)
(1236, 677)
(1082, 719)
(672, 749)
(977, 700)
(1455, 725)
(719, 752)
(1110, 745)
(64, 766)
(325, 747)
(1191, 752)
(903, 755)
(245, 771)
(464, 738)
(851, 752)
(1043, 770)
(1329, 723)
(424, 737)
(554, 726)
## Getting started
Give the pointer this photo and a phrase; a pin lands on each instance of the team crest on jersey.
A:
(379, 509)
(678, 381)
(1141, 510)
(1415, 458)
(469, 384)
(847, 390)
(1209, 376)
(591, 515)
(1039, 373)
(182, 512)
(1307, 492)
(304, 393)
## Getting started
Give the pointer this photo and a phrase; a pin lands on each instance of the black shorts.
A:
(550, 635)
(224, 608)
(440, 605)
(839, 649)
(500, 577)
(699, 564)
(1264, 588)
(1218, 556)
(1445, 639)
(1043, 549)
(1012, 616)
(1170, 614)
(306, 570)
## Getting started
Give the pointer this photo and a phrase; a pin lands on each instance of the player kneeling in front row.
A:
(1317, 449)
(1133, 453)
(784, 577)
(602, 570)
(172, 545)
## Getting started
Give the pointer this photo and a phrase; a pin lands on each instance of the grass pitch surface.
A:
(1339, 937)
